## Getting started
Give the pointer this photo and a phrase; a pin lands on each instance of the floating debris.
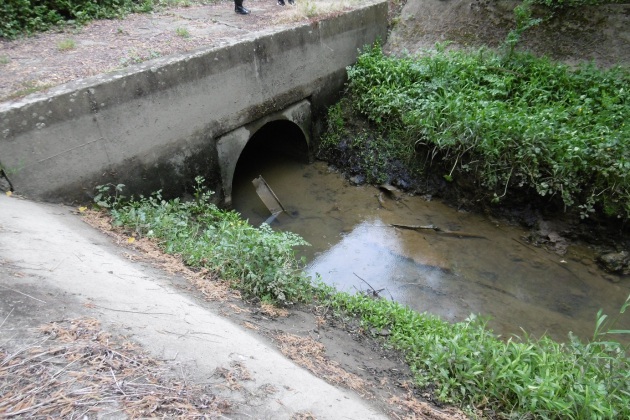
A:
(268, 197)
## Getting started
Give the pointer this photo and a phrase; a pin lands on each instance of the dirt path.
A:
(37, 63)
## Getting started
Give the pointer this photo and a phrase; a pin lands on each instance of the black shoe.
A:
(280, 2)
(241, 10)
(291, 2)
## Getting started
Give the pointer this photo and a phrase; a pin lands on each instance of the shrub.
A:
(522, 122)
(517, 378)
(258, 261)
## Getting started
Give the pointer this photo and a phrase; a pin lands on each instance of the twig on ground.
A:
(23, 294)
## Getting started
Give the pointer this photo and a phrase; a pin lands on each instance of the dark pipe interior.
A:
(269, 151)
(283, 138)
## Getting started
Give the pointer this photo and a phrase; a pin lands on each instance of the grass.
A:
(22, 18)
(66, 45)
(514, 125)
(182, 32)
(28, 88)
(134, 57)
(309, 9)
(465, 363)
(517, 378)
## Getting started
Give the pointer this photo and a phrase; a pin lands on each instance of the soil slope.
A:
(599, 34)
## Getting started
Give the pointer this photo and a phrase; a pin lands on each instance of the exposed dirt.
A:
(600, 34)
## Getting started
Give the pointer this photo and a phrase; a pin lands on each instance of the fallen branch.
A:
(436, 229)
(375, 293)
(24, 294)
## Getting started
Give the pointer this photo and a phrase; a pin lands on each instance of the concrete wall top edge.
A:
(139, 79)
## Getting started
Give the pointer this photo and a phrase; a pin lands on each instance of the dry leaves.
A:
(422, 410)
(78, 370)
(273, 311)
(311, 354)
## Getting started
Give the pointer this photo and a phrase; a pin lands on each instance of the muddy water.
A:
(489, 270)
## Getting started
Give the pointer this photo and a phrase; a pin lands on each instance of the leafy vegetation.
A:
(258, 261)
(517, 378)
(23, 17)
(182, 32)
(510, 124)
(19, 17)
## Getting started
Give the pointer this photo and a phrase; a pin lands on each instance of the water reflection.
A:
(490, 272)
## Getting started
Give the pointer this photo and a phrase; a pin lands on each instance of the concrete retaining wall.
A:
(156, 125)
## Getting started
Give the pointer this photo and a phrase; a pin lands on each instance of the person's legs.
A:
(238, 8)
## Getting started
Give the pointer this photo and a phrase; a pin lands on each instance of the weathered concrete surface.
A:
(154, 126)
(67, 269)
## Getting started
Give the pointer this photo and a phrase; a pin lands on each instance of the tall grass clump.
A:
(513, 378)
(523, 123)
(258, 261)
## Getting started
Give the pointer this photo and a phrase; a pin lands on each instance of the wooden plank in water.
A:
(267, 196)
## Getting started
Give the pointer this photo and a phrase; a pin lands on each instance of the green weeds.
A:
(258, 261)
(517, 378)
(23, 17)
(66, 45)
(135, 57)
(182, 32)
(28, 87)
(511, 124)
(524, 21)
